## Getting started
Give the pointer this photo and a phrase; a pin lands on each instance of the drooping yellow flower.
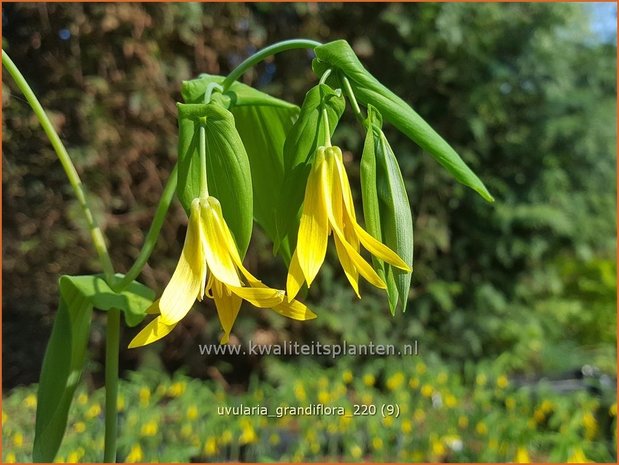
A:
(328, 207)
(210, 266)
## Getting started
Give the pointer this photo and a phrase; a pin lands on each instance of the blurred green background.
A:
(519, 294)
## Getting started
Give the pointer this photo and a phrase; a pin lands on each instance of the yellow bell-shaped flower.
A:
(210, 266)
(328, 207)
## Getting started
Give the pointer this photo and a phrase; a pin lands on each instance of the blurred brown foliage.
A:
(109, 76)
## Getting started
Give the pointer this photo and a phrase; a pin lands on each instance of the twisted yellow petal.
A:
(294, 309)
(295, 277)
(314, 226)
(217, 252)
(189, 275)
(341, 217)
(380, 250)
(228, 306)
(364, 268)
(152, 332)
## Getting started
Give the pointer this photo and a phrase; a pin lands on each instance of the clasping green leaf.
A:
(386, 208)
(339, 55)
(227, 166)
(66, 350)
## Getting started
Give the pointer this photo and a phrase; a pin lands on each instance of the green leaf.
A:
(132, 301)
(62, 368)
(306, 135)
(227, 165)
(386, 208)
(237, 95)
(369, 187)
(263, 131)
(64, 357)
(338, 55)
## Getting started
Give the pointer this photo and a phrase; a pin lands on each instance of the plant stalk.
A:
(112, 344)
(99, 242)
(265, 53)
(98, 239)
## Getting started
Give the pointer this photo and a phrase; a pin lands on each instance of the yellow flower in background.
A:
(502, 382)
(18, 440)
(395, 381)
(328, 207)
(577, 455)
(149, 429)
(75, 456)
(210, 266)
(324, 397)
(135, 454)
(10, 457)
(144, 396)
(407, 426)
(437, 446)
(177, 389)
(248, 434)
(369, 379)
(299, 392)
(192, 412)
(590, 424)
(347, 377)
(356, 451)
(79, 427)
(463, 421)
(210, 447)
(30, 401)
(93, 411)
(481, 428)
(522, 455)
(121, 403)
(451, 401)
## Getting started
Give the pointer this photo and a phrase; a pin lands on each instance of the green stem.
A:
(353, 101)
(325, 75)
(265, 53)
(153, 233)
(112, 344)
(96, 234)
(202, 149)
(209, 91)
(325, 119)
